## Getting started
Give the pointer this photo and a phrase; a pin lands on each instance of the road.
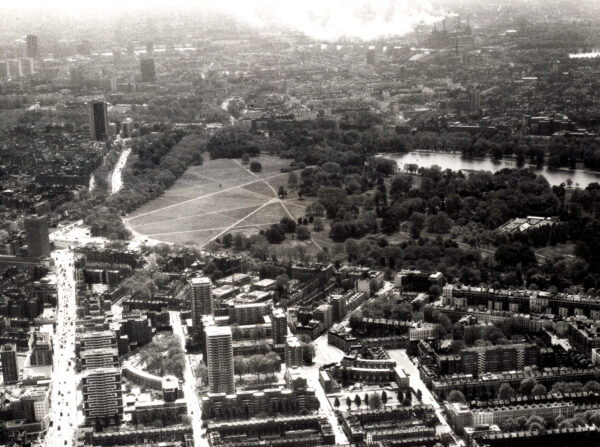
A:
(116, 179)
(416, 383)
(63, 411)
(325, 353)
(189, 385)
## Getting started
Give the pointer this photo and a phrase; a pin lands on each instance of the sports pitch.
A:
(221, 196)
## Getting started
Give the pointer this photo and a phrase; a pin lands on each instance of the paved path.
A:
(220, 191)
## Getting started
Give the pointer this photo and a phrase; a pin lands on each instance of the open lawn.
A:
(221, 196)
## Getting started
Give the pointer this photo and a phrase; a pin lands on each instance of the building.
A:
(98, 120)
(15, 69)
(41, 354)
(102, 395)
(219, 350)
(95, 340)
(10, 367)
(32, 46)
(170, 388)
(370, 56)
(138, 329)
(201, 299)
(474, 100)
(324, 313)
(279, 326)
(99, 358)
(77, 77)
(28, 66)
(479, 360)
(126, 127)
(292, 352)
(36, 233)
(36, 407)
(147, 70)
(248, 313)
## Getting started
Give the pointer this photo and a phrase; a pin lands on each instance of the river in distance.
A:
(456, 162)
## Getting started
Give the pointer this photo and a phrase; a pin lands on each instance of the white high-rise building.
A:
(219, 353)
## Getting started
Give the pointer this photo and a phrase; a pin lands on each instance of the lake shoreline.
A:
(455, 161)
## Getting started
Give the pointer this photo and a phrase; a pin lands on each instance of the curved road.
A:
(116, 179)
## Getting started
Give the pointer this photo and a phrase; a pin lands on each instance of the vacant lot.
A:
(221, 196)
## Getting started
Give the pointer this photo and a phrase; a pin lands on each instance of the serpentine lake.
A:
(456, 162)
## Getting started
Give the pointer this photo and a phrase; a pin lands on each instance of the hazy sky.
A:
(323, 19)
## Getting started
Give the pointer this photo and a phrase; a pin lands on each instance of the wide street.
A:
(63, 412)
(189, 385)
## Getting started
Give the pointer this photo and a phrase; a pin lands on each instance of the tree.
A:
(308, 352)
(317, 224)
(240, 365)
(336, 403)
(457, 396)
(275, 234)
(434, 292)
(281, 285)
(287, 224)
(348, 402)
(417, 221)
(592, 386)
(539, 390)
(227, 240)
(506, 392)
(315, 209)
(355, 319)
(374, 401)
(439, 223)
(384, 397)
(514, 253)
(357, 401)
(302, 233)
(400, 396)
(537, 427)
(332, 199)
(419, 395)
(527, 385)
(255, 166)
(400, 185)
(238, 241)
(292, 180)
(366, 399)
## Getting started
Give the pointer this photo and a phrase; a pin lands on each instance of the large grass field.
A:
(221, 196)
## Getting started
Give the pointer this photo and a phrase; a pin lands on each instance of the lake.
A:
(455, 162)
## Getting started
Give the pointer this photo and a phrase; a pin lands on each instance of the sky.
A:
(321, 19)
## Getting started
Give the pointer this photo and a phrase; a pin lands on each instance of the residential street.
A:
(404, 361)
(189, 385)
(325, 353)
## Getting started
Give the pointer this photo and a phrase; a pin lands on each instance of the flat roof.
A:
(217, 330)
(200, 280)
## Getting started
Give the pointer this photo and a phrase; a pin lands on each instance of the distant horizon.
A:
(320, 19)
